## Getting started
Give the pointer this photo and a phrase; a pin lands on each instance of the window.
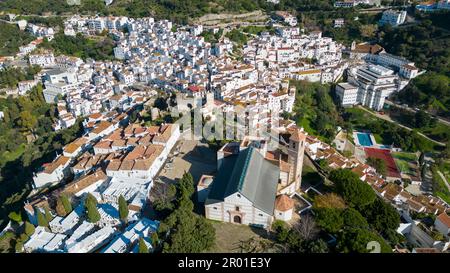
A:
(238, 195)
(293, 145)
(237, 208)
(215, 207)
(260, 214)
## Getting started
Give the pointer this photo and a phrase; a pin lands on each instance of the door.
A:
(237, 219)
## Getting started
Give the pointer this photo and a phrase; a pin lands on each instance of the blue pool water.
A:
(364, 139)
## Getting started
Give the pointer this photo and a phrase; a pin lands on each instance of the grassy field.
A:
(361, 119)
(230, 237)
(403, 159)
(439, 187)
(10, 156)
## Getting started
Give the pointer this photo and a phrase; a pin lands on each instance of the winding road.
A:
(387, 118)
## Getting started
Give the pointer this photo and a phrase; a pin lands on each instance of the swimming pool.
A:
(364, 139)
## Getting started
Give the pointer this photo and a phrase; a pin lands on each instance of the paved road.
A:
(445, 180)
(387, 118)
(446, 122)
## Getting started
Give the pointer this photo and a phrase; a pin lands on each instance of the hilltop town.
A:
(208, 131)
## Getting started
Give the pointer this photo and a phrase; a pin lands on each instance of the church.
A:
(250, 178)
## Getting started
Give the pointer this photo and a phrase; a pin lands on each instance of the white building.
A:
(53, 172)
(66, 224)
(82, 231)
(374, 83)
(43, 241)
(44, 60)
(93, 241)
(126, 241)
(244, 190)
(339, 22)
(284, 206)
(442, 224)
(393, 18)
(347, 94)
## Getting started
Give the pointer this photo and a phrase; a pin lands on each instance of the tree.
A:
(66, 203)
(422, 119)
(142, 246)
(382, 216)
(185, 190)
(29, 228)
(316, 246)
(161, 103)
(355, 192)
(189, 233)
(60, 207)
(26, 121)
(295, 242)
(378, 164)
(329, 200)
(360, 241)
(48, 215)
(329, 219)
(281, 230)
(91, 208)
(123, 209)
(155, 239)
(41, 219)
(306, 228)
(352, 218)
(368, 31)
(15, 216)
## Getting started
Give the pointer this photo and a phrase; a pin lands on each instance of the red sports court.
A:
(386, 156)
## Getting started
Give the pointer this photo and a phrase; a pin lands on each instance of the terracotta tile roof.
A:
(102, 126)
(284, 203)
(368, 48)
(74, 145)
(84, 182)
(104, 144)
(51, 167)
(444, 218)
(297, 135)
(426, 250)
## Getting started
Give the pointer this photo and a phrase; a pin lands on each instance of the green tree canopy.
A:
(66, 203)
(15, 216)
(329, 219)
(60, 210)
(91, 208)
(382, 216)
(357, 240)
(316, 246)
(41, 219)
(48, 215)
(123, 209)
(189, 233)
(378, 164)
(142, 246)
(29, 228)
(355, 192)
(352, 218)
